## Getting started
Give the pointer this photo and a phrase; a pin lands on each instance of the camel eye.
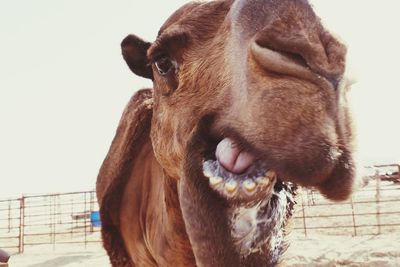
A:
(164, 65)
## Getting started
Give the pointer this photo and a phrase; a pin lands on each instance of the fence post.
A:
(85, 220)
(398, 172)
(53, 220)
(72, 213)
(377, 195)
(9, 216)
(352, 214)
(91, 210)
(304, 214)
(21, 224)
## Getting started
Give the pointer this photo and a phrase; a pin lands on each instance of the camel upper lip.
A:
(288, 64)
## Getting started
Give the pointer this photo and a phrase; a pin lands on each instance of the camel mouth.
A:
(252, 185)
(260, 202)
(238, 176)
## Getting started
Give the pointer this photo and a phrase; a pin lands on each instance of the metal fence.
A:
(66, 218)
(48, 219)
(372, 210)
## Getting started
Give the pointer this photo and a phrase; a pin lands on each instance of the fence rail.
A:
(66, 218)
(373, 210)
(48, 219)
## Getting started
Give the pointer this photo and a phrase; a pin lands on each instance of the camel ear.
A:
(134, 51)
(131, 139)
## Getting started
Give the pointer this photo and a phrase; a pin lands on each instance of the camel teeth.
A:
(207, 173)
(263, 180)
(270, 174)
(231, 186)
(249, 185)
(215, 180)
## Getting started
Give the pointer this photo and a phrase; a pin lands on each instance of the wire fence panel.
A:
(9, 224)
(373, 210)
(72, 218)
(48, 219)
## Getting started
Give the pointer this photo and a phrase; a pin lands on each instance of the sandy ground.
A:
(46, 256)
(371, 251)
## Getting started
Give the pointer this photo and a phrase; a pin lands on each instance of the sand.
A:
(67, 256)
(371, 251)
(319, 250)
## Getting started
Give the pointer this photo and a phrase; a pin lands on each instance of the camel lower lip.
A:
(256, 183)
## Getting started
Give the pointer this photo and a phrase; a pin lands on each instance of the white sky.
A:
(63, 83)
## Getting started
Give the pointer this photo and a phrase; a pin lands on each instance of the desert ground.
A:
(317, 250)
(327, 250)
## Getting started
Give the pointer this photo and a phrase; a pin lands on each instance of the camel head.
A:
(248, 101)
(256, 88)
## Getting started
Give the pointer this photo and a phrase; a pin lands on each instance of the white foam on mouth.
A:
(257, 220)
(260, 228)
(277, 237)
(244, 227)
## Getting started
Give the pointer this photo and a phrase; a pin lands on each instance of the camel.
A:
(248, 102)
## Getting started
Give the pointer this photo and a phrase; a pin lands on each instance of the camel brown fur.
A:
(248, 101)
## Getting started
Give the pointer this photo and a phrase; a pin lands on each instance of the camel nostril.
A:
(300, 60)
(296, 58)
(293, 63)
(293, 56)
(304, 43)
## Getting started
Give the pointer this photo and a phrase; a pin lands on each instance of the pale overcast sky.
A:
(63, 83)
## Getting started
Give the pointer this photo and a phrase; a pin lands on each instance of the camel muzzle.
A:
(292, 37)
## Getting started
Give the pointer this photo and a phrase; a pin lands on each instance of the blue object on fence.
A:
(95, 218)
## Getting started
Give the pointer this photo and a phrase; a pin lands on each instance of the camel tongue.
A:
(232, 158)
